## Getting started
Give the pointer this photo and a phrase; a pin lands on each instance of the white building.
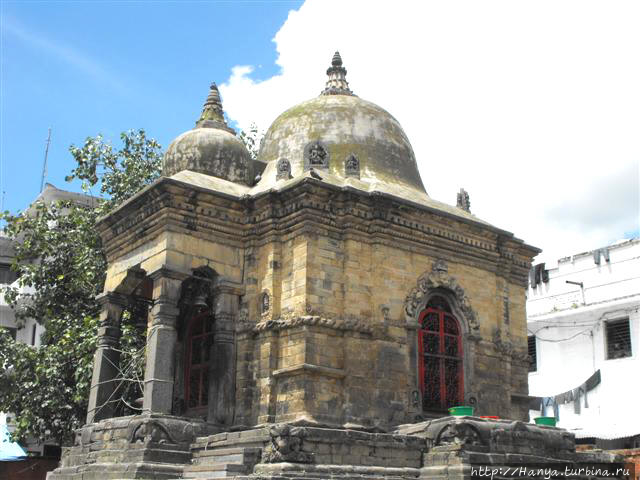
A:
(583, 318)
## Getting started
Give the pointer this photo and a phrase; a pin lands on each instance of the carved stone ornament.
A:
(265, 303)
(286, 445)
(384, 309)
(243, 324)
(339, 324)
(352, 166)
(417, 298)
(459, 433)
(525, 438)
(440, 266)
(316, 155)
(283, 169)
(463, 201)
(150, 431)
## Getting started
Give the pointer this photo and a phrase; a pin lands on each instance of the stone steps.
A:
(222, 462)
(225, 470)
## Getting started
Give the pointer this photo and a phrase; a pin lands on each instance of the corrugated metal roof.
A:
(610, 431)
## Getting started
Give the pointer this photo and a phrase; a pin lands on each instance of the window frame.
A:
(441, 356)
(533, 363)
(205, 317)
(610, 324)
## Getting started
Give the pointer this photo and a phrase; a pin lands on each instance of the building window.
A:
(618, 337)
(440, 347)
(7, 275)
(533, 353)
(198, 354)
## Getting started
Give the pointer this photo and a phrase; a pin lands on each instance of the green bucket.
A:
(549, 421)
(460, 411)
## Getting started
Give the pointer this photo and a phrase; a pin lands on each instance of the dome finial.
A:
(212, 115)
(337, 83)
(336, 61)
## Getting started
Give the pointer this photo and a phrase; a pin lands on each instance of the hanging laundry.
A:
(574, 395)
(576, 400)
(593, 381)
(583, 389)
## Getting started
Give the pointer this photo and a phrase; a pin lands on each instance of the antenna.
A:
(44, 166)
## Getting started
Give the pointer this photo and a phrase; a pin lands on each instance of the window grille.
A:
(618, 336)
(440, 347)
(533, 353)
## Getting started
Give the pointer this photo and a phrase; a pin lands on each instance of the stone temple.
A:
(312, 313)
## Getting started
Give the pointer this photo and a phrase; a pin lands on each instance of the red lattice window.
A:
(199, 341)
(440, 347)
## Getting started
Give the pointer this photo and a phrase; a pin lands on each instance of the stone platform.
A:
(162, 447)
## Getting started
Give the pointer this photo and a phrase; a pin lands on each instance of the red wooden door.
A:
(199, 341)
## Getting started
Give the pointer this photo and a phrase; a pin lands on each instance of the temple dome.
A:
(211, 147)
(340, 134)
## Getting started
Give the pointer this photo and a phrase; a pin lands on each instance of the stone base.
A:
(448, 448)
(137, 446)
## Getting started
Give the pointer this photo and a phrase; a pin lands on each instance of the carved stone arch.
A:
(439, 281)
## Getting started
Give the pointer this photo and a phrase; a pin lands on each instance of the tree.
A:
(252, 139)
(60, 260)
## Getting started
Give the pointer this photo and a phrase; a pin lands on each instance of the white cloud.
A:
(530, 106)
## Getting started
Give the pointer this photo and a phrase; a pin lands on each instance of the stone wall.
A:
(331, 291)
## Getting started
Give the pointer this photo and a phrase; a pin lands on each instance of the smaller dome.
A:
(211, 148)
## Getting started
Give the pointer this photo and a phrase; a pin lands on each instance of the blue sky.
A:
(84, 68)
(532, 107)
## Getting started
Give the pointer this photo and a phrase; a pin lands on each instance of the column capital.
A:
(229, 287)
(168, 273)
(112, 298)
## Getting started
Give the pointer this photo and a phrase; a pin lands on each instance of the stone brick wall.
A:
(323, 330)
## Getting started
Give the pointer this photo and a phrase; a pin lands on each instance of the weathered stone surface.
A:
(308, 288)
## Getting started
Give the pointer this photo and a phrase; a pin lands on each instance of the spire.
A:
(337, 83)
(212, 115)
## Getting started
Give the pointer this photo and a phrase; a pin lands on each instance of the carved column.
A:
(222, 383)
(161, 343)
(106, 362)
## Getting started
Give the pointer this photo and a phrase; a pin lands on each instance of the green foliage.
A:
(119, 173)
(62, 268)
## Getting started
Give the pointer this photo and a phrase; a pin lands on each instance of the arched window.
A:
(199, 341)
(440, 347)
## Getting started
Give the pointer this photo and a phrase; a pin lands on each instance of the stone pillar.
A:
(222, 376)
(161, 343)
(106, 360)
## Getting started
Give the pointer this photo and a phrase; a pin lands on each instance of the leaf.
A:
(47, 387)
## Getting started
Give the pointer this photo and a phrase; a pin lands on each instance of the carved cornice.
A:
(373, 218)
(307, 367)
(307, 320)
